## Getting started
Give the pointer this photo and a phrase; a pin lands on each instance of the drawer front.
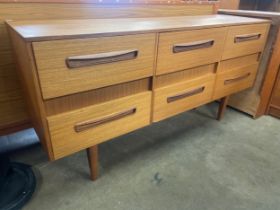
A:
(76, 130)
(245, 40)
(235, 80)
(177, 98)
(71, 66)
(187, 49)
(239, 62)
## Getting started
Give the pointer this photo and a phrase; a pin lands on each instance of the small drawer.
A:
(235, 80)
(245, 40)
(70, 66)
(187, 49)
(239, 62)
(79, 129)
(183, 96)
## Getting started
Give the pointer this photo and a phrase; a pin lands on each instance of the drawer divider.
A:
(79, 127)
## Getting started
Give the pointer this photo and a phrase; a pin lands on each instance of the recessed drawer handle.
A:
(177, 48)
(229, 81)
(185, 94)
(79, 127)
(101, 58)
(247, 37)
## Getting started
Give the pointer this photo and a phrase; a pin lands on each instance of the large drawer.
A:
(187, 49)
(235, 80)
(71, 66)
(245, 40)
(183, 96)
(76, 130)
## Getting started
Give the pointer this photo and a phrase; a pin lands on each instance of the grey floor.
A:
(190, 161)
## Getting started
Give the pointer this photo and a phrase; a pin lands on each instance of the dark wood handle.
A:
(247, 37)
(101, 58)
(185, 94)
(229, 81)
(79, 127)
(177, 48)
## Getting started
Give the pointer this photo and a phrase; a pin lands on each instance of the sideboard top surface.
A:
(40, 30)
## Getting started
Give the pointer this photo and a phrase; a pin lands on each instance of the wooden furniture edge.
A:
(270, 78)
(92, 151)
(15, 127)
(273, 64)
(274, 111)
(31, 90)
(250, 13)
(38, 38)
(78, 9)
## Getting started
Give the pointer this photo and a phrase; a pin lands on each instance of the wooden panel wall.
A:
(13, 114)
(229, 4)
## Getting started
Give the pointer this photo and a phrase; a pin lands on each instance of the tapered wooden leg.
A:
(222, 107)
(92, 154)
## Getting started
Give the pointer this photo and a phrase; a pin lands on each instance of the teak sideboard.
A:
(13, 111)
(88, 81)
(265, 94)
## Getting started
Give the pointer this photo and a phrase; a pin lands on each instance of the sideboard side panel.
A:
(26, 69)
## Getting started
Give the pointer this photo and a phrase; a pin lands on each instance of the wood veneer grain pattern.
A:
(236, 49)
(57, 79)
(188, 95)
(28, 75)
(238, 62)
(41, 30)
(187, 74)
(172, 94)
(234, 80)
(83, 99)
(13, 110)
(229, 4)
(168, 61)
(67, 141)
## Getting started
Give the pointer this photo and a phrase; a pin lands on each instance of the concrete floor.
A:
(190, 161)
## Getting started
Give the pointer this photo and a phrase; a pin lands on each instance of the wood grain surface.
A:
(235, 80)
(62, 126)
(81, 118)
(275, 99)
(247, 46)
(13, 111)
(164, 108)
(75, 101)
(229, 4)
(32, 94)
(57, 79)
(181, 76)
(40, 30)
(168, 61)
(259, 96)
